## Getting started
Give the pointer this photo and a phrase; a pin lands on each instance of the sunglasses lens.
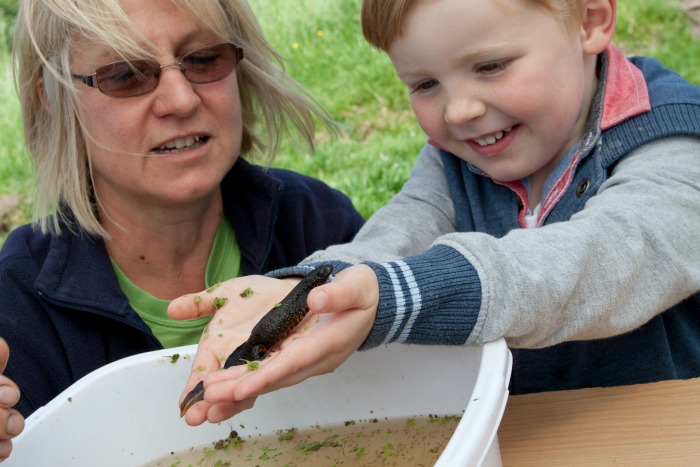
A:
(211, 63)
(127, 79)
(138, 77)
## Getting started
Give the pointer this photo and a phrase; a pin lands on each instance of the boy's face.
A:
(498, 83)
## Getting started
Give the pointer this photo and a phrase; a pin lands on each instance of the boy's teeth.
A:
(493, 138)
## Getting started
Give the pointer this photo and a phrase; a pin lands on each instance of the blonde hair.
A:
(45, 36)
(382, 20)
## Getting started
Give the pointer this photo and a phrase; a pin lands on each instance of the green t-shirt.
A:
(224, 263)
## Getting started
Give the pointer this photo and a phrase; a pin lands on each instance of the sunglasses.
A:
(138, 77)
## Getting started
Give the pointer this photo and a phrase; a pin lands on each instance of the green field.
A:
(325, 51)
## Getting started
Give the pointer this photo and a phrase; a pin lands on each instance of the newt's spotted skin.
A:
(273, 328)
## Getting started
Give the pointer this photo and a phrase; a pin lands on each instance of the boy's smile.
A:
(494, 143)
(502, 85)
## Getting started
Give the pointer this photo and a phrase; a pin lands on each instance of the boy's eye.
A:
(423, 85)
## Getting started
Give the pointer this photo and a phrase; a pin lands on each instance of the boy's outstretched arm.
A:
(342, 315)
(11, 421)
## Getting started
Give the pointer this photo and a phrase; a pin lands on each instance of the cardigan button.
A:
(582, 187)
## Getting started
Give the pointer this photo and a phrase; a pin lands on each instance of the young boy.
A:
(557, 205)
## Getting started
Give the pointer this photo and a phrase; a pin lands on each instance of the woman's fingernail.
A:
(15, 424)
(8, 396)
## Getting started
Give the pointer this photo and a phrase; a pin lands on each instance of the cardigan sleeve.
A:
(630, 254)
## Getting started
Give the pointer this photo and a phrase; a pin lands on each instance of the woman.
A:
(139, 117)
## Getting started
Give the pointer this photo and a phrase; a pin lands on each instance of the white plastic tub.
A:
(126, 413)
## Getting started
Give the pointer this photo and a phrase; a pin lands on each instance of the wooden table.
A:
(656, 424)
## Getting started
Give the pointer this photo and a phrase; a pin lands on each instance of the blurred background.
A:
(324, 50)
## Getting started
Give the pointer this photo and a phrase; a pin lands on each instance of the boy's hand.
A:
(11, 421)
(342, 317)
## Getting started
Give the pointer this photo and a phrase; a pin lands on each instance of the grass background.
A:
(325, 51)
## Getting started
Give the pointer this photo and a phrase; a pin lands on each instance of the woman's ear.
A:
(598, 25)
(41, 92)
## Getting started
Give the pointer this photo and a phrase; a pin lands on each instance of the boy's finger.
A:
(351, 289)
(225, 410)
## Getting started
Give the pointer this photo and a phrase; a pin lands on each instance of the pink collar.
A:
(626, 93)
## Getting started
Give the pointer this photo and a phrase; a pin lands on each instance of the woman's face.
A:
(171, 146)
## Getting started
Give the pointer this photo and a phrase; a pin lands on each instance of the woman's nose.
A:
(175, 95)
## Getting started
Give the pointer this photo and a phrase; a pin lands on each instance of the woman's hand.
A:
(342, 317)
(11, 421)
(237, 304)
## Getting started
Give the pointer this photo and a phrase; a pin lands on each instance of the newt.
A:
(273, 328)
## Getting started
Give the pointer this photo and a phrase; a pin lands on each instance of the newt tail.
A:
(273, 328)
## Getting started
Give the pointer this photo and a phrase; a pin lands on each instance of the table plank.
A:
(646, 424)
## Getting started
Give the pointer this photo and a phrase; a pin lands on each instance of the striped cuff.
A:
(433, 298)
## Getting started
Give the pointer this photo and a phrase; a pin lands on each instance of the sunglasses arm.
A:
(89, 80)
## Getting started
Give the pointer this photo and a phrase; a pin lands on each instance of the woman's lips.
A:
(180, 144)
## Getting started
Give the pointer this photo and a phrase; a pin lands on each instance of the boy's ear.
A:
(598, 26)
